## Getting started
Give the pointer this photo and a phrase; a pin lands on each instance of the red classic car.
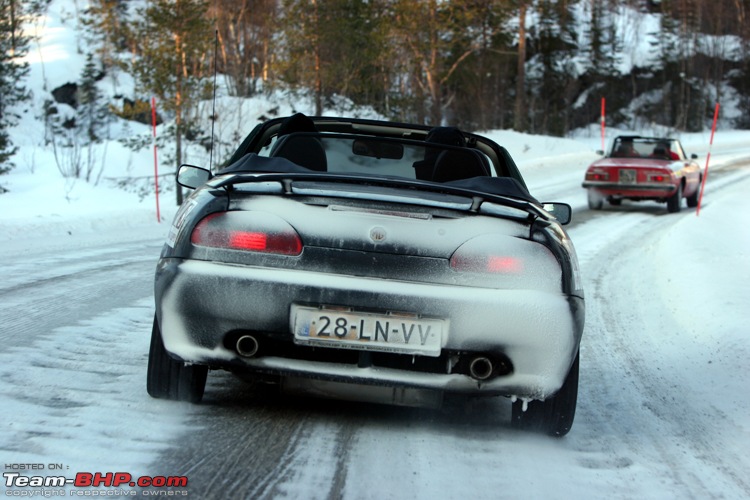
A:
(644, 168)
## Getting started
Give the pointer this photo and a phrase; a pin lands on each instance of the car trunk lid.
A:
(376, 226)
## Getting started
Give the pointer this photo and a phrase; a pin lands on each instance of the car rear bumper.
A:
(199, 303)
(631, 190)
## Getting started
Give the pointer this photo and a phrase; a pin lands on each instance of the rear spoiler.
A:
(287, 181)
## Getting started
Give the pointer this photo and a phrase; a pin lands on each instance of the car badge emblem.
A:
(377, 234)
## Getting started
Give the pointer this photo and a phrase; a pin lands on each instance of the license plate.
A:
(347, 329)
(627, 176)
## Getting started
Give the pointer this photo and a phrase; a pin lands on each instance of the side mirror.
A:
(693, 156)
(561, 211)
(192, 177)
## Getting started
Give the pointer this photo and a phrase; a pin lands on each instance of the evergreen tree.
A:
(740, 78)
(303, 39)
(483, 77)
(519, 108)
(555, 80)
(356, 51)
(600, 47)
(13, 46)
(670, 61)
(93, 115)
(107, 30)
(603, 42)
(437, 38)
(336, 47)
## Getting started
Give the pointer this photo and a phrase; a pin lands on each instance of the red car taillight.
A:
(659, 177)
(247, 231)
(597, 175)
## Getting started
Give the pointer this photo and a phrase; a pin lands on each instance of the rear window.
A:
(344, 154)
(645, 147)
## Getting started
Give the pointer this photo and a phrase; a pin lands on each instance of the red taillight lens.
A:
(658, 177)
(494, 264)
(497, 264)
(597, 175)
(247, 231)
(502, 261)
(245, 240)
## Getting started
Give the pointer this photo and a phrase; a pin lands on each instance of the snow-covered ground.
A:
(664, 410)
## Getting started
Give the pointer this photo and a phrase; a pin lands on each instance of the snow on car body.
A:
(371, 273)
(644, 168)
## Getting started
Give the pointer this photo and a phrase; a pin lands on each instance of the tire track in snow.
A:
(257, 444)
(682, 441)
(40, 301)
(77, 393)
(42, 265)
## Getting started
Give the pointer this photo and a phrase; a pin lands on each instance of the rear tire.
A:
(168, 378)
(596, 201)
(553, 416)
(692, 200)
(674, 202)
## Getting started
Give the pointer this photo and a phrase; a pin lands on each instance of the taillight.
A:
(658, 177)
(597, 175)
(245, 240)
(506, 262)
(495, 264)
(248, 231)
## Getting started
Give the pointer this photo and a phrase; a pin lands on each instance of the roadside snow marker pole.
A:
(604, 100)
(156, 164)
(708, 157)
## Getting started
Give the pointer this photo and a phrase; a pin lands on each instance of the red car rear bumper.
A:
(631, 190)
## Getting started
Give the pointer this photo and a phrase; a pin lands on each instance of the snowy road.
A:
(663, 404)
(45, 289)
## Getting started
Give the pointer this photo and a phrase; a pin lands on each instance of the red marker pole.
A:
(708, 157)
(603, 121)
(156, 164)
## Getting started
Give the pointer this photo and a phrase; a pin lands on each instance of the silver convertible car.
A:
(372, 261)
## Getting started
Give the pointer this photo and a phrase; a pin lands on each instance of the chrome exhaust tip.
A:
(247, 346)
(481, 368)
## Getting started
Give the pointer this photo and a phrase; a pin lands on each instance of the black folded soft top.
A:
(499, 186)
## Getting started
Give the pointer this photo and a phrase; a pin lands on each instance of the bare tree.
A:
(246, 34)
